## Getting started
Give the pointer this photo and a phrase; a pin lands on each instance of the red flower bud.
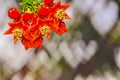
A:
(13, 13)
(44, 10)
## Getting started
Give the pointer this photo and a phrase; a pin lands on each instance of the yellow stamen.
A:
(17, 32)
(60, 14)
(45, 30)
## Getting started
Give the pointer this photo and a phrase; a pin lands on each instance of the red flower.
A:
(17, 29)
(59, 11)
(45, 28)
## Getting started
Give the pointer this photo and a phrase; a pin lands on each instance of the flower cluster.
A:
(36, 21)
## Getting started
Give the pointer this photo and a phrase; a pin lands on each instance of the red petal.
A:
(65, 6)
(55, 25)
(48, 36)
(44, 10)
(66, 16)
(35, 35)
(27, 35)
(26, 48)
(48, 2)
(15, 39)
(29, 19)
(9, 31)
(26, 43)
(62, 28)
(57, 4)
(27, 16)
(11, 24)
(38, 43)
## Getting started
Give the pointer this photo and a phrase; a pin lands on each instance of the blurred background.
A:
(89, 51)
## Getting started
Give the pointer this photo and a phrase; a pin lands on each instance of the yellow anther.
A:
(44, 30)
(60, 14)
(17, 32)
